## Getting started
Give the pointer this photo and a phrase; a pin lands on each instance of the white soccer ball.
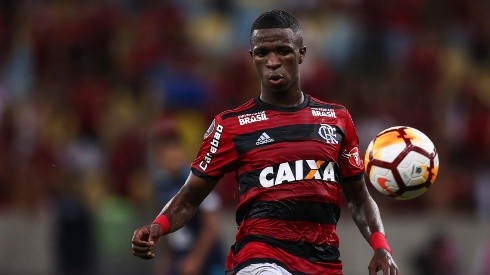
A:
(401, 162)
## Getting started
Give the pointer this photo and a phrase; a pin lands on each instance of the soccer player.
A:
(294, 156)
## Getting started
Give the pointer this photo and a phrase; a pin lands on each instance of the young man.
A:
(293, 156)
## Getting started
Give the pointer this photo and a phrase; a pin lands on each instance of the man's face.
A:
(276, 54)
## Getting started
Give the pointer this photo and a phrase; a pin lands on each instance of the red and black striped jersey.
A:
(288, 164)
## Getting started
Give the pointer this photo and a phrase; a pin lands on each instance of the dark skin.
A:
(277, 55)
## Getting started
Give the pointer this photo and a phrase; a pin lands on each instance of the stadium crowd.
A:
(84, 85)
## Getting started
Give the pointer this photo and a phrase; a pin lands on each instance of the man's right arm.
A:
(179, 210)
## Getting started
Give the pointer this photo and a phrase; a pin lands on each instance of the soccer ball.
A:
(401, 162)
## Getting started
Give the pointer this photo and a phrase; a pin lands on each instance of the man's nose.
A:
(273, 61)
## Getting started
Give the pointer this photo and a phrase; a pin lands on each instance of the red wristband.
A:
(164, 223)
(378, 240)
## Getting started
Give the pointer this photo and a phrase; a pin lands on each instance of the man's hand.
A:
(145, 239)
(382, 261)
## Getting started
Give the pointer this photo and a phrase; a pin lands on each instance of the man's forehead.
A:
(284, 35)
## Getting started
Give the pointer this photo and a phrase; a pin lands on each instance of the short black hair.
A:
(277, 19)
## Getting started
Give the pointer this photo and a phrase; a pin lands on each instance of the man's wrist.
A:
(163, 222)
(377, 240)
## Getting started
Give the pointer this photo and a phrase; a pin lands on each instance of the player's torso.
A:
(288, 153)
(288, 174)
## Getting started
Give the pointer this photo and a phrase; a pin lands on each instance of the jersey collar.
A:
(268, 106)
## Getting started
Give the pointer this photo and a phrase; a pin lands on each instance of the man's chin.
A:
(279, 88)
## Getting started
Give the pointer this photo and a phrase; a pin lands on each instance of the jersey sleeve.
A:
(351, 163)
(216, 154)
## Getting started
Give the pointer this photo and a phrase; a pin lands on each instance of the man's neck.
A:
(283, 100)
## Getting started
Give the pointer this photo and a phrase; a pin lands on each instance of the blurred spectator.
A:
(196, 248)
(74, 234)
(440, 257)
(482, 193)
(482, 260)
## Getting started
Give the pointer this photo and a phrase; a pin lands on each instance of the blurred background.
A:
(85, 86)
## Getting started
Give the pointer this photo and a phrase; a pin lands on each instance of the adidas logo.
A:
(263, 139)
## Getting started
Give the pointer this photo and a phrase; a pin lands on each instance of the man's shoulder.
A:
(247, 114)
(315, 102)
(247, 107)
(323, 108)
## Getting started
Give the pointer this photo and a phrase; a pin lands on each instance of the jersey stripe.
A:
(311, 252)
(248, 141)
(295, 265)
(325, 234)
(319, 192)
(314, 212)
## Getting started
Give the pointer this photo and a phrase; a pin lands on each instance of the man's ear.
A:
(302, 53)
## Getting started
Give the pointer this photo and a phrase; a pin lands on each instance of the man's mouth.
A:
(275, 78)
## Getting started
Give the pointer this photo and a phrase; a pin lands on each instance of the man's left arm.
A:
(365, 213)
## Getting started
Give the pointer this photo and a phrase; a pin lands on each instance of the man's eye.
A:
(260, 53)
